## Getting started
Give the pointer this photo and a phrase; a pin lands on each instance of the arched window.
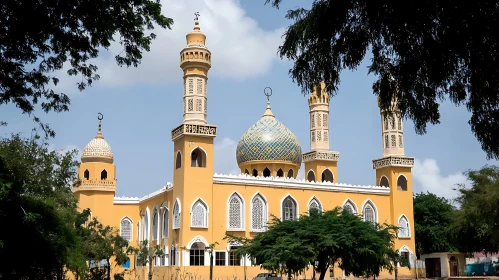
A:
(199, 214)
(290, 173)
(404, 230)
(126, 229)
(255, 173)
(383, 182)
(402, 183)
(145, 227)
(246, 171)
(311, 176)
(178, 160)
(314, 203)
(266, 172)
(173, 256)
(86, 174)
(369, 213)
(235, 212)
(103, 175)
(198, 158)
(165, 223)
(289, 209)
(176, 215)
(258, 213)
(155, 225)
(280, 173)
(327, 176)
(350, 207)
(196, 254)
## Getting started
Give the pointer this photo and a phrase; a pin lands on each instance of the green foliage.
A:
(433, 224)
(67, 33)
(38, 206)
(325, 238)
(422, 52)
(477, 219)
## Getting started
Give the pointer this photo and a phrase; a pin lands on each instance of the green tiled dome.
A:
(268, 139)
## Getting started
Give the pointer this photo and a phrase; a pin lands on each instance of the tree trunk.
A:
(211, 264)
(396, 270)
(150, 268)
(108, 269)
(323, 270)
(313, 272)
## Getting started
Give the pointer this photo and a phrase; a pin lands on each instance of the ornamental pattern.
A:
(403, 227)
(268, 139)
(191, 86)
(329, 156)
(393, 161)
(258, 214)
(199, 86)
(198, 105)
(326, 137)
(369, 214)
(289, 209)
(97, 147)
(176, 215)
(126, 229)
(394, 141)
(190, 105)
(312, 119)
(400, 142)
(324, 121)
(235, 212)
(314, 204)
(198, 218)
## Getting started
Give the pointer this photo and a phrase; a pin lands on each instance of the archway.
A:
(280, 173)
(311, 176)
(453, 266)
(402, 183)
(327, 176)
(266, 172)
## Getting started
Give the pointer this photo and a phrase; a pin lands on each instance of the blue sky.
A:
(142, 105)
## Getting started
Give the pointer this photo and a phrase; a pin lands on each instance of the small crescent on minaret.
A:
(268, 92)
(100, 116)
(196, 14)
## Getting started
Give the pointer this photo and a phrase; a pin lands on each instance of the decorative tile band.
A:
(393, 161)
(194, 129)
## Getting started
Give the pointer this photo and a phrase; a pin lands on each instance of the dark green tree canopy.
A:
(433, 219)
(38, 37)
(422, 52)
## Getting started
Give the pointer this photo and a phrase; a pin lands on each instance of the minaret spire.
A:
(100, 117)
(392, 131)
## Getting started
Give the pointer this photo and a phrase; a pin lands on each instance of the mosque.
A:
(194, 212)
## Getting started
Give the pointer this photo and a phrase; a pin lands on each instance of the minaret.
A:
(393, 171)
(193, 146)
(195, 61)
(320, 162)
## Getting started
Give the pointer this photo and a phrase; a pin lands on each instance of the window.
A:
(327, 176)
(198, 158)
(86, 174)
(155, 225)
(176, 215)
(255, 173)
(290, 173)
(404, 258)
(165, 223)
(266, 172)
(314, 203)
(280, 173)
(173, 256)
(246, 171)
(145, 227)
(126, 229)
(234, 257)
(196, 254)
(103, 175)
(311, 176)
(384, 182)
(199, 214)
(258, 213)
(289, 209)
(178, 160)
(403, 227)
(402, 183)
(235, 212)
(220, 258)
(350, 207)
(369, 213)
(387, 145)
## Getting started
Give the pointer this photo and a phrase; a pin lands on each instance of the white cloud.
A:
(426, 176)
(225, 157)
(240, 48)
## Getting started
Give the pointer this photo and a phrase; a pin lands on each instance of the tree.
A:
(146, 255)
(39, 208)
(422, 52)
(67, 32)
(326, 238)
(433, 222)
(477, 218)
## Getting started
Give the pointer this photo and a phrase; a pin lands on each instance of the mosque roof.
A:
(97, 150)
(268, 140)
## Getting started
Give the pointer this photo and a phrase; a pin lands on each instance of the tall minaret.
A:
(320, 162)
(195, 61)
(392, 131)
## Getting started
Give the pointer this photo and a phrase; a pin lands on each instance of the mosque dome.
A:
(97, 150)
(268, 140)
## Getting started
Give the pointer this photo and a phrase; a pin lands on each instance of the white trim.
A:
(265, 216)
(354, 206)
(139, 231)
(296, 203)
(196, 239)
(177, 201)
(368, 201)
(323, 173)
(291, 183)
(207, 208)
(412, 257)
(158, 224)
(242, 215)
(166, 212)
(131, 227)
(408, 227)
(315, 177)
(215, 257)
(314, 198)
(380, 178)
(176, 156)
(147, 217)
(205, 156)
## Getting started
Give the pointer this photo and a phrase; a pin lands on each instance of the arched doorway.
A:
(453, 266)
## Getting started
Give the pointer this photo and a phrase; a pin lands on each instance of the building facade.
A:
(199, 207)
